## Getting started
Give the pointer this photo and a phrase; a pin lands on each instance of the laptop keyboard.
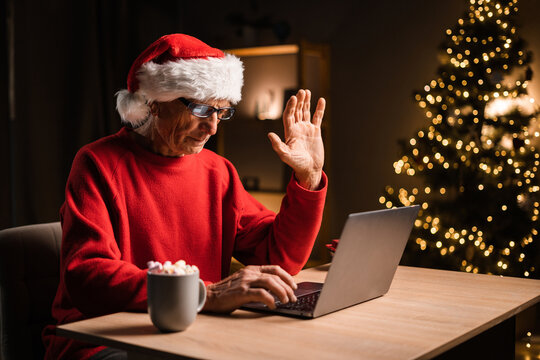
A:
(304, 303)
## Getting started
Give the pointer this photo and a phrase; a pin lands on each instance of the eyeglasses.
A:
(204, 111)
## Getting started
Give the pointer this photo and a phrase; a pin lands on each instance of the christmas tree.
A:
(477, 157)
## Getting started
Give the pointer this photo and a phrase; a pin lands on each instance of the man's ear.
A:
(154, 108)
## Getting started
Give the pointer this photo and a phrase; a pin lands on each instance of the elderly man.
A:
(152, 192)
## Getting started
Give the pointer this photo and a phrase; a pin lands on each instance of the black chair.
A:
(29, 276)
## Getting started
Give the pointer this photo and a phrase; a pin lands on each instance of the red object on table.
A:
(333, 246)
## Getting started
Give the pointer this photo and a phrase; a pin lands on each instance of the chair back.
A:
(29, 277)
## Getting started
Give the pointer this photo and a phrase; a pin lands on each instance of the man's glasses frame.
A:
(204, 111)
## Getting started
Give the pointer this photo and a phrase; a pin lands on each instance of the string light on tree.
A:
(477, 157)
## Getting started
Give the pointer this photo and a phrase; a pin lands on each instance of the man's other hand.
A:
(303, 148)
(250, 284)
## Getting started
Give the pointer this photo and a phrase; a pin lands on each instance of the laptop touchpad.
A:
(307, 287)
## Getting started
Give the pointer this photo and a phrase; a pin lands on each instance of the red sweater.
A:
(125, 206)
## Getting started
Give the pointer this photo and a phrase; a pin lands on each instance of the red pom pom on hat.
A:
(174, 66)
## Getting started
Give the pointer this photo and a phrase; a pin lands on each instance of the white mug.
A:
(174, 300)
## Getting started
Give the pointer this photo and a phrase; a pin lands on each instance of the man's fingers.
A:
(251, 284)
(277, 270)
(288, 289)
(276, 142)
(260, 295)
(301, 95)
(319, 112)
(276, 286)
(288, 115)
(279, 146)
(307, 106)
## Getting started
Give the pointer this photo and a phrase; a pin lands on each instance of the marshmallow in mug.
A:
(178, 268)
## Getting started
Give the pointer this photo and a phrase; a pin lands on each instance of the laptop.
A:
(363, 266)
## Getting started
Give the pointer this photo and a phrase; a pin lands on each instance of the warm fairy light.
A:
(502, 106)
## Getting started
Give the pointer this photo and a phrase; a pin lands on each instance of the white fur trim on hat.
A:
(200, 79)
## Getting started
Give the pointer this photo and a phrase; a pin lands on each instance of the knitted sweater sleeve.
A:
(96, 278)
(286, 239)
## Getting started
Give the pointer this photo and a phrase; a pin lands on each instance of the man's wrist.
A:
(310, 181)
(210, 296)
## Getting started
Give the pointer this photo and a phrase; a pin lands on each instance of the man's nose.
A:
(210, 124)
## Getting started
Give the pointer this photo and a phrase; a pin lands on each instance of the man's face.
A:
(177, 132)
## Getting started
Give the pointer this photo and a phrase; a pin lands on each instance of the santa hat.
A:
(176, 66)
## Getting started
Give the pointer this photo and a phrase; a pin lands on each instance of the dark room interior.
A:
(63, 62)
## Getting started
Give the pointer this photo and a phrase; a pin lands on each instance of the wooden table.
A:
(427, 313)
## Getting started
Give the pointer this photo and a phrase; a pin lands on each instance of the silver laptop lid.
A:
(364, 264)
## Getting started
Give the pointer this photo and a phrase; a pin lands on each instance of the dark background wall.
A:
(70, 60)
